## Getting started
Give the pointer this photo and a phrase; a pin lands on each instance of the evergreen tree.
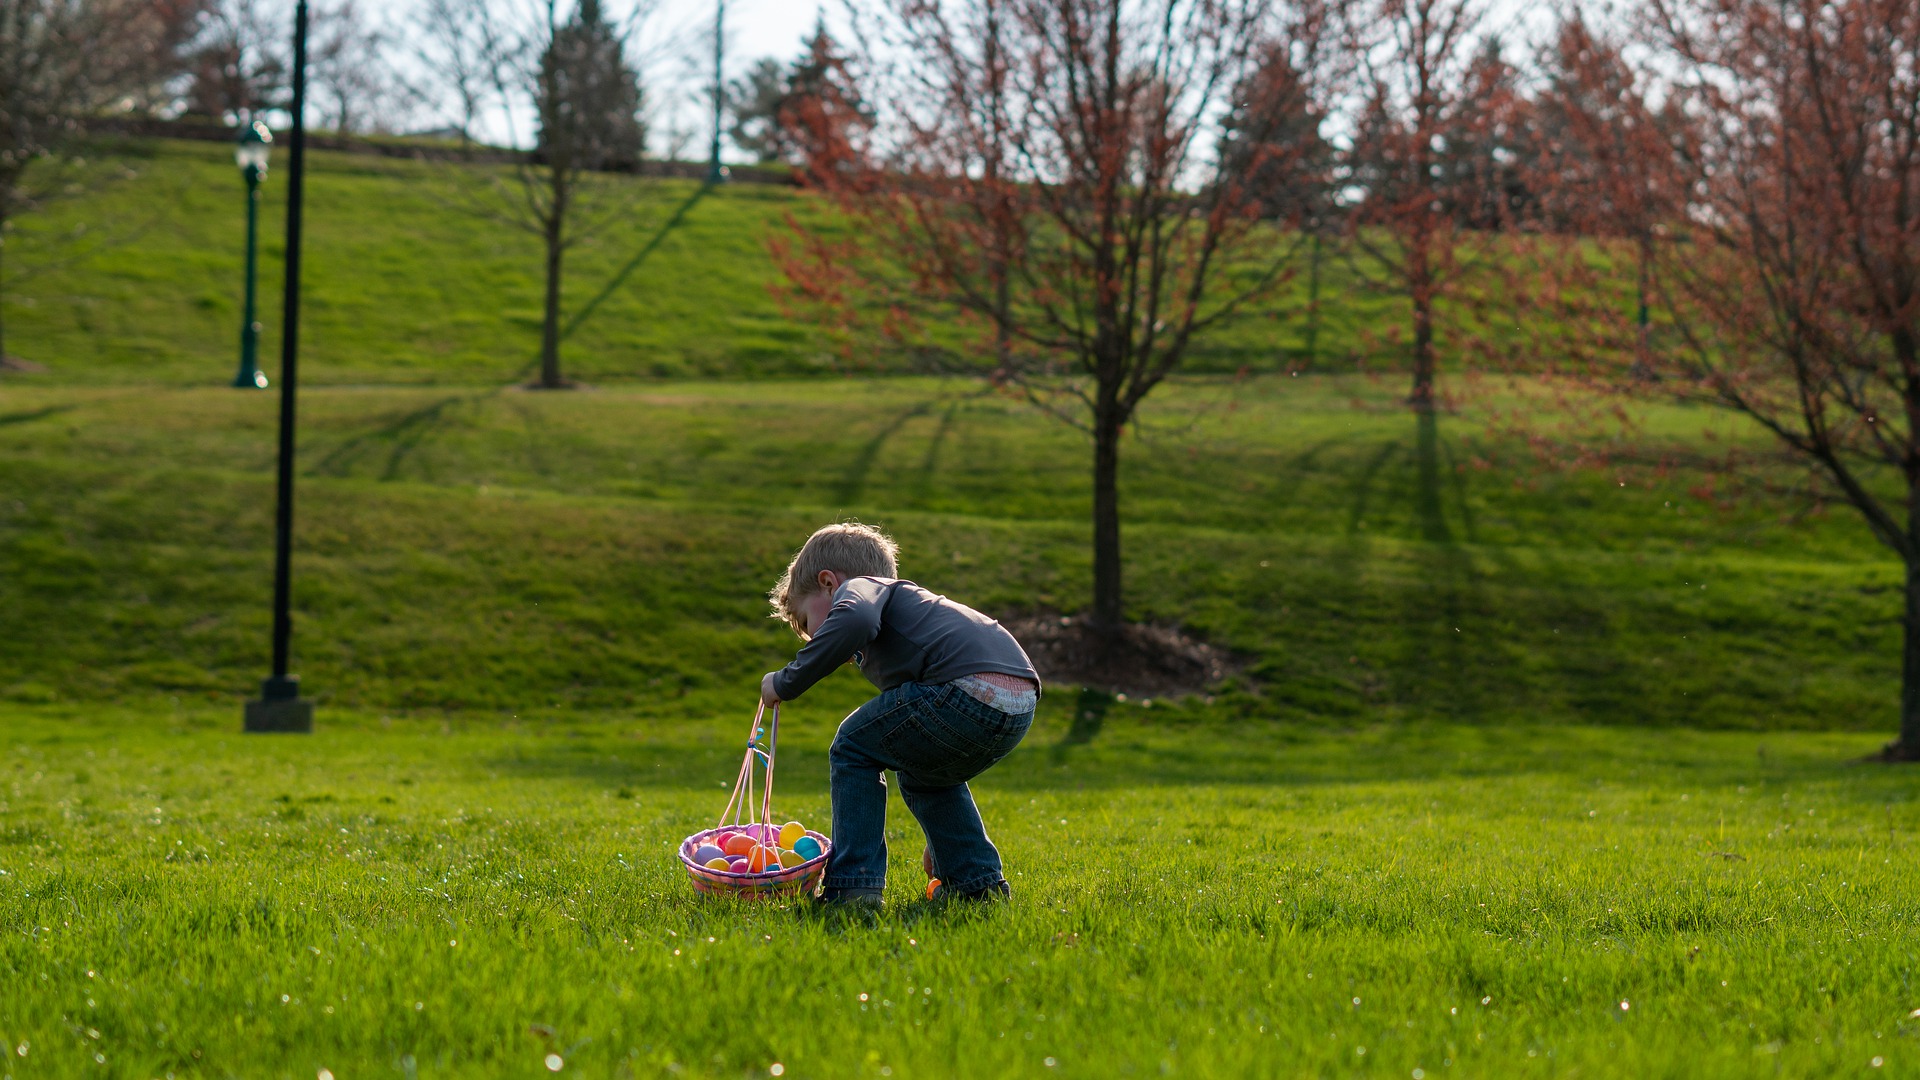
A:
(809, 114)
(1271, 140)
(755, 102)
(590, 95)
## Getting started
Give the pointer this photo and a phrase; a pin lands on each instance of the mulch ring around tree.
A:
(1145, 660)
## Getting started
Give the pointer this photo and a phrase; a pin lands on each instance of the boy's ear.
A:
(827, 581)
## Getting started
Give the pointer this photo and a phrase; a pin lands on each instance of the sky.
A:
(755, 29)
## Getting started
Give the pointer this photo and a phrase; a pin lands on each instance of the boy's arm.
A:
(852, 623)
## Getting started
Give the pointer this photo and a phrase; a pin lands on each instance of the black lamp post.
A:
(251, 155)
(280, 707)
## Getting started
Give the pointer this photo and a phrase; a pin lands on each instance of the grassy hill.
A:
(497, 549)
(412, 276)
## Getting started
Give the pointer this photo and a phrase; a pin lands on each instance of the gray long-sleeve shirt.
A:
(899, 632)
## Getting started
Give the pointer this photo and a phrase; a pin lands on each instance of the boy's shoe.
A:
(850, 900)
(998, 892)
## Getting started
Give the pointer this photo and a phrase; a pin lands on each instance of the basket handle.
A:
(741, 801)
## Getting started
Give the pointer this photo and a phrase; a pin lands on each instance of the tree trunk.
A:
(7, 182)
(1907, 746)
(555, 234)
(1106, 618)
(550, 327)
(1421, 398)
(1002, 320)
(3, 294)
(1420, 288)
(1643, 369)
(1313, 302)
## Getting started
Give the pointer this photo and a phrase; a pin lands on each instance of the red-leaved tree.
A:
(1795, 296)
(1428, 158)
(1050, 171)
(1610, 167)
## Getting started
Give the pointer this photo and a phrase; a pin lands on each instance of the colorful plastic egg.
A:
(719, 840)
(738, 844)
(807, 847)
(933, 884)
(706, 853)
(737, 865)
(790, 832)
(718, 862)
(759, 858)
(791, 858)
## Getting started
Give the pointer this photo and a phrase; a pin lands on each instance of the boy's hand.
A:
(767, 696)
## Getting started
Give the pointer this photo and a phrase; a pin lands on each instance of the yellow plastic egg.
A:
(790, 858)
(717, 864)
(790, 832)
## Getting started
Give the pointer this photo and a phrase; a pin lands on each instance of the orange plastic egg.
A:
(739, 844)
(760, 857)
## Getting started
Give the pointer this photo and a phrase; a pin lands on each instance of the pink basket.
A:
(801, 880)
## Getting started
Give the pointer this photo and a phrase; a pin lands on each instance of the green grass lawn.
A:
(1512, 746)
(1208, 899)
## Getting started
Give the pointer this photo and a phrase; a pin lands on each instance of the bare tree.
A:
(1050, 173)
(62, 63)
(351, 73)
(575, 77)
(236, 62)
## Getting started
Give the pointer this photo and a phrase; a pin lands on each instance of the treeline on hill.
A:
(1716, 200)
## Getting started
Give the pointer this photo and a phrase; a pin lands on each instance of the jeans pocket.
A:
(938, 743)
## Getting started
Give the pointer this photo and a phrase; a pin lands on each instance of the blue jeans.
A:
(935, 738)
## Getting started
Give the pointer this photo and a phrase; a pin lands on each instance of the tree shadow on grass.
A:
(620, 276)
(1442, 599)
(1089, 716)
(853, 482)
(640, 257)
(1434, 655)
(9, 419)
(402, 435)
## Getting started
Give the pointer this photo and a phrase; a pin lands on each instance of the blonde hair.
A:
(849, 549)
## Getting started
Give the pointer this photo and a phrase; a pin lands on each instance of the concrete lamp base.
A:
(280, 708)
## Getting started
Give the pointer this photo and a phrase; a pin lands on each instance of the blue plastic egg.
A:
(706, 853)
(807, 847)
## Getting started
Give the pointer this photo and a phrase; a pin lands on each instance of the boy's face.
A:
(813, 608)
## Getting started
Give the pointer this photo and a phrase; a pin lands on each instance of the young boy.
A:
(957, 694)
